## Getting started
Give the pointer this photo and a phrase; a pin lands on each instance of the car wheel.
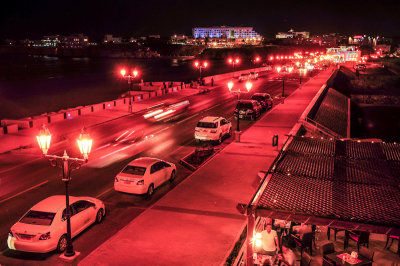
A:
(99, 216)
(230, 132)
(150, 190)
(62, 244)
(172, 177)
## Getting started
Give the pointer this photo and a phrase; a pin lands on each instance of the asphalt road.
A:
(169, 140)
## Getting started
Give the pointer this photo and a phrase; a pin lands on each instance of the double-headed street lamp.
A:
(248, 87)
(200, 66)
(233, 62)
(129, 77)
(67, 164)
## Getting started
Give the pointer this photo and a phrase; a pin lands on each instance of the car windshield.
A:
(207, 125)
(258, 97)
(134, 170)
(38, 217)
(244, 105)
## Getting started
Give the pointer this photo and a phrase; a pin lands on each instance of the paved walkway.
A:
(197, 222)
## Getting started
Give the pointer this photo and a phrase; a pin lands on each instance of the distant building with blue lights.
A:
(226, 32)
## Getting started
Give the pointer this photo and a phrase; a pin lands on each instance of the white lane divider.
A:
(22, 192)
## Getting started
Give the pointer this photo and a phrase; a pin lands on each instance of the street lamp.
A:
(248, 87)
(130, 78)
(200, 66)
(233, 62)
(256, 60)
(67, 164)
(278, 69)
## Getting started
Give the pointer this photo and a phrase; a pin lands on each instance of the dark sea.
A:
(32, 85)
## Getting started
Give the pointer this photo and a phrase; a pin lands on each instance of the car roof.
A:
(144, 161)
(210, 119)
(53, 203)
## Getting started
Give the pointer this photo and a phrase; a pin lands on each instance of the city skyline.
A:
(160, 17)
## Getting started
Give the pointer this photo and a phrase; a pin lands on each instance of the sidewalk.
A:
(26, 138)
(197, 222)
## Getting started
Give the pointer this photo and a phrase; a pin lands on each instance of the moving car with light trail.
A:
(44, 227)
(144, 175)
(212, 128)
(165, 112)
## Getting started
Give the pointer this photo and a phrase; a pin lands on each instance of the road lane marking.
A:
(22, 192)
(101, 194)
(19, 165)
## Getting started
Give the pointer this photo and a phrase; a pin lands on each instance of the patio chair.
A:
(305, 259)
(367, 253)
(335, 230)
(393, 238)
(326, 262)
(361, 238)
(305, 242)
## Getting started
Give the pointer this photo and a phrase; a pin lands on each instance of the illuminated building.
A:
(343, 54)
(226, 32)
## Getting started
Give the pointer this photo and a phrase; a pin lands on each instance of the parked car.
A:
(243, 77)
(264, 99)
(43, 228)
(253, 75)
(212, 128)
(247, 109)
(144, 175)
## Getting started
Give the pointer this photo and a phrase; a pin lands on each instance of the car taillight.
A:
(45, 236)
(10, 233)
(116, 179)
(213, 131)
(140, 182)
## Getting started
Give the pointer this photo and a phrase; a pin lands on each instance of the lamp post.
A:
(200, 66)
(278, 69)
(67, 164)
(130, 78)
(248, 86)
(233, 62)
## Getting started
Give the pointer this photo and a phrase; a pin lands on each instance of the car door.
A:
(156, 175)
(224, 125)
(75, 223)
(84, 213)
(166, 168)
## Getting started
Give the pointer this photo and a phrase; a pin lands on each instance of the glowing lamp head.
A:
(135, 73)
(230, 85)
(258, 240)
(123, 72)
(44, 139)
(290, 69)
(249, 85)
(257, 59)
(237, 60)
(196, 64)
(205, 64)
(230, 60)
(278, 69)
(271, 58)
(85, 144)
(297, 63)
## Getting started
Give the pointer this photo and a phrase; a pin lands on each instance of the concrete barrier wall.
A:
(21, 123)
(145, 96)
(71, 113)
(153, 94)
(109, 105)
(97, 107)
(38, 121)
(11, 129)
(56, 117)
(119, 102)
(86, 110)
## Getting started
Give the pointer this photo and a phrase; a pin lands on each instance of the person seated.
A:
(287, 257)
(269, 240)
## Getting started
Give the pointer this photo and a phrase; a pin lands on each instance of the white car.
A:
(253, 75)
(212, 128)
(243, 77)
(44, 227)
(144, 175)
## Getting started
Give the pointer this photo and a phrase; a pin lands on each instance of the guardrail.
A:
(323, 128)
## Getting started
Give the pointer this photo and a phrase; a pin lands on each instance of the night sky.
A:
(35, 18)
